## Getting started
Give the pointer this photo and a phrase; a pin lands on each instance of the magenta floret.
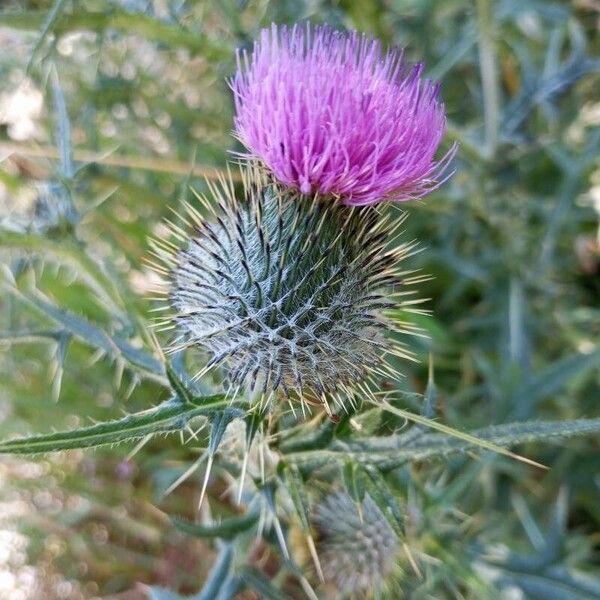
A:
(332, 113)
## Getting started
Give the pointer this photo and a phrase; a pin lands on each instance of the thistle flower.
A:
(287, 294)
(357, 552)
(333, 113)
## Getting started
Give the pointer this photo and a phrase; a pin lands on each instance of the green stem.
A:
(489, 74)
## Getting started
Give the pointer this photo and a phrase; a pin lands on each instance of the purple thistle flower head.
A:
(332, 113)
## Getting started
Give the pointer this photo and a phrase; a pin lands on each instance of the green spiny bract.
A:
(288, 293)
(357, 551)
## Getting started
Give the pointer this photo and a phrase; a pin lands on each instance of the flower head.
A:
(333, 113)
(357, 551)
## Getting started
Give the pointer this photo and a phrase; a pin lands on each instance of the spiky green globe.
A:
(357, 551)
(286, 292)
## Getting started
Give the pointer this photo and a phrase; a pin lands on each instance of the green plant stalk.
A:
(489, 75)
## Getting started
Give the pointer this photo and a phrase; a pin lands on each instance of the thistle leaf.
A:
(63, 125)
(218, 576)
(292, 479)
(253, 421)
(511, 434)
(566, 586)
(220, 420)
(317, 439)
(97, 338)
(167, 417)
(229, 589)
(226, 529)
(455, 433)
(353, 476)
(547, 574)
(179, 387)
(552, 379)
(256, 581)
(384, 499)
(67, 253)
(393, 451)
(54, 14)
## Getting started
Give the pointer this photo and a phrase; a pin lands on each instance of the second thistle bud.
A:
(357, 551)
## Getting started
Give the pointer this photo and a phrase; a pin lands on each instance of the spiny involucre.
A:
(357, 551)
(288, 293)
(332, 113)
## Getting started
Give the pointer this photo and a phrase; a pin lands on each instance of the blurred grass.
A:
(512, 242)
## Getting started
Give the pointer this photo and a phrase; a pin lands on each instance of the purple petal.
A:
(330, 112)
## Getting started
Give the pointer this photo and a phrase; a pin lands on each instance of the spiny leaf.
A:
(549, 587)
(256, 581)
(159, 593)
(226, 529)
(54, 14)
(353, 477)
(296, 487)
(220, 420)
(317, 439)
(231, 586)
(178, 386)
(96, 337)
(384, 498)
(515, 433)
(218, 575)
(181, 379)
(293, 481)
(428, 409)
(63, 128)
(227, 589)
(455, 433)
(544, 575)
(253, 421)
(33, 336)
(165, 418)
(553, 378)
(392, 451)
(68, 253)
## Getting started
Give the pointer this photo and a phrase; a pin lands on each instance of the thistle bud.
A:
(357, 551)
(287, 293)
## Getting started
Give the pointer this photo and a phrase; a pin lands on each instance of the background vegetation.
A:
(110, 111)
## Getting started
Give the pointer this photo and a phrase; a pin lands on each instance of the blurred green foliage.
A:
(512, 242)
